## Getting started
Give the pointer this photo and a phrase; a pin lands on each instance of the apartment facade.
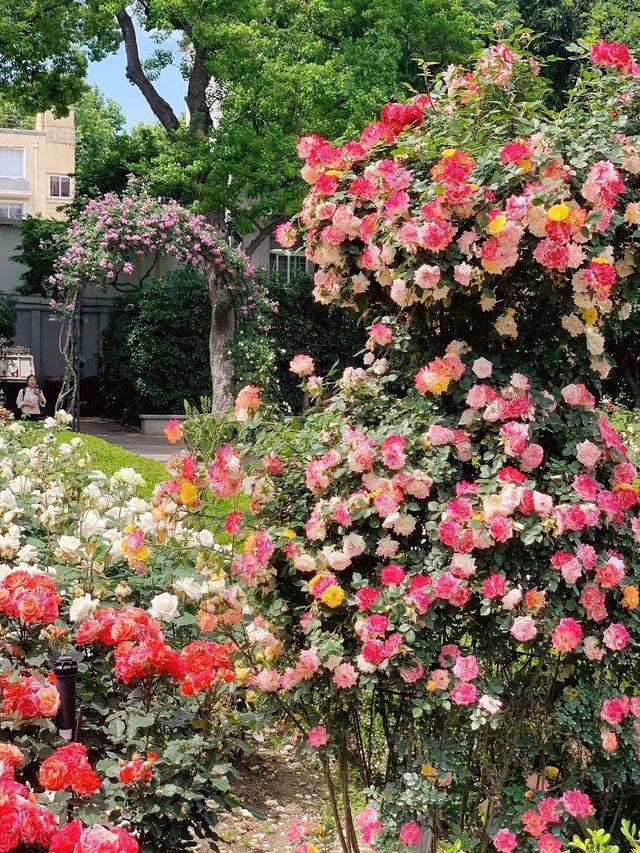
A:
(37, 162)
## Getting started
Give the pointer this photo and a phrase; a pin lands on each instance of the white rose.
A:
(21, 486)
(304, 563)
(164, 607)
(50, 423)
(90, 524)
(188, 587)
(68, 547)
(353, 545)
(82, 607)
(128, 476)
(204, 538)
(482, 368)
(27, 554)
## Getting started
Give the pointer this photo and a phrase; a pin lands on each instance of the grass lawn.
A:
(108, 458)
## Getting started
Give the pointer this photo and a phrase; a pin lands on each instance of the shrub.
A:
(439, 570)
(8, 318)
(155, 347)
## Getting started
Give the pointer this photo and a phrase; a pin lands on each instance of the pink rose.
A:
(466, 668)
(410, 833)
(345, 676)
(392, 574)
(302, 365)
(463, 694)
(504, 841)
(588, 454)
(577, 804)
(524, 629)
(317, 737)
(566, 635)
(616, 637)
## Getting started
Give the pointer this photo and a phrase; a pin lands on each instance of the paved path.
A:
(153, 446)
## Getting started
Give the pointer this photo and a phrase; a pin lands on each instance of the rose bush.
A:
(89, 568)
(437, 578)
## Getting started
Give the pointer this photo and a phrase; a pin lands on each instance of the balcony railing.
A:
(14, 122)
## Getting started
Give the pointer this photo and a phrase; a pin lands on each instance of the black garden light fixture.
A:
(66, 671)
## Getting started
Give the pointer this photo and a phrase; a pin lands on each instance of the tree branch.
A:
(135, 74)
(263, 232)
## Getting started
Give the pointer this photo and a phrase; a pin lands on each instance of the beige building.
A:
(37, 160)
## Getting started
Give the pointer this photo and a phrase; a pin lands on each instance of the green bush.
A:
(301, 325)
(8, 317)
(156, 347)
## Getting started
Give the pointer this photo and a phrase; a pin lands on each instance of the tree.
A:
(45, 46)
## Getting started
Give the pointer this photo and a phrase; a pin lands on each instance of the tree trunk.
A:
(220, 336)
(630, 373)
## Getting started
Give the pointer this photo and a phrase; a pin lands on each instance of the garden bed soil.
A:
(282, 788)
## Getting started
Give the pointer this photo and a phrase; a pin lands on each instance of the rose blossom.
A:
(524, 628)
(504, 841)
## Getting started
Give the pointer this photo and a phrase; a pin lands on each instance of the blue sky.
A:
(109, 75)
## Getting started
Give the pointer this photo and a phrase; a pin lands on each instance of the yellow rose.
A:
(590, 315)
(449, 152)
(242, 673)
(431, 686)
(600, 260)
(551, 772)
(428, 771)
(333, 596)
(497, 224)
(188, 493)
(439, 385)
(525, 165)
(288, 533)
(335, 172)
(558, 212)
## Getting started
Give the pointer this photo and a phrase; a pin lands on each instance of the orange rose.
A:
(630, 597)
(85, 781)
(53, 774)
(29, 609)
(48, 701)
(123, 630)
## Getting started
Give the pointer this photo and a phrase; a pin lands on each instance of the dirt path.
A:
(282, 788)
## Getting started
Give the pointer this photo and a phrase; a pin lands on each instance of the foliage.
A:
(614, 21)
(155, 347)
(330, 336)
(295, 68)
(44, 48)
(41, 241)
(8, 317)
(445, 547)
(94, 570)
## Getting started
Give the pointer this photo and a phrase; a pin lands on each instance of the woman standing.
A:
(30, 399)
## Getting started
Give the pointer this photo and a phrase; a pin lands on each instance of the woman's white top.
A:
(29, 402)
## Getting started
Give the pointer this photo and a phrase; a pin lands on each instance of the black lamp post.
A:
(66, 671)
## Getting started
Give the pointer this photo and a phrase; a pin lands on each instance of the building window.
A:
(287, 263)
(59, 186)
(12, 162)
(11, 210)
